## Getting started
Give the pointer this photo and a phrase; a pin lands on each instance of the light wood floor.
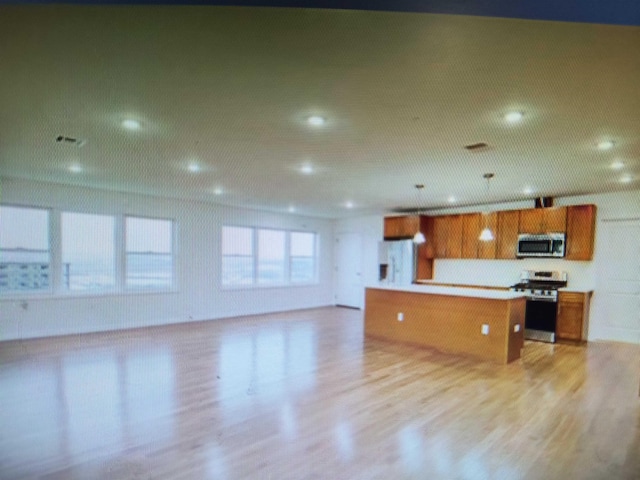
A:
(302, 395)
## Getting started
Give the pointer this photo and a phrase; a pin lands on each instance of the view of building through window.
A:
(88, 248)
(24, 249)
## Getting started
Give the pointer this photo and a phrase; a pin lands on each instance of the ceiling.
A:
(230, 89)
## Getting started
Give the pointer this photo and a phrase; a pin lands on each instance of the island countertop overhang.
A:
(491, 294)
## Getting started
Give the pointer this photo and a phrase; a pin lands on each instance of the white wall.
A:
(199, 295)
(582, 275)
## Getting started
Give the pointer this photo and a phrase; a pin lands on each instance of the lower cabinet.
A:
(573, 315)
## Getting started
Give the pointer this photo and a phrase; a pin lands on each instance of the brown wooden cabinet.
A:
(456, 236)
(401, 227)
(543, 220)
(487, 249)
(507, 237)
(573, 315)
(426, 251)
(441, 232)
(581, 223)
(448, 236)
(470, 232)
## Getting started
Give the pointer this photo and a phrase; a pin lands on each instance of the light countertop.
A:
(576, 290)
(454, 291)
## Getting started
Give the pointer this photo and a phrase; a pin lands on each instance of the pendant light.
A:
(418, 238)
(486, 235)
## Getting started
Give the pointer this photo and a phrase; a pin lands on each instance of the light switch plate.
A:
(485, 329)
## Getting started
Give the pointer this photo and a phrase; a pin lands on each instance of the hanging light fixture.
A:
(418, 238)
(486, 235)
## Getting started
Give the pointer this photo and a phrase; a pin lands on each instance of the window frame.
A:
(255, 284)
(314, 256)
(252, 256)
(116, 274)
(43, 292)
(173, 285)
(56, 287)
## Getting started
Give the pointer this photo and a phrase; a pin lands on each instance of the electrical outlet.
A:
(485, 329)
(400, 316)
(516, 327)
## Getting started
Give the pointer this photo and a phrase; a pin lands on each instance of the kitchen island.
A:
(487, 324)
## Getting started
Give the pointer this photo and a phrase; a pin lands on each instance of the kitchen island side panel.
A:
(448, 323)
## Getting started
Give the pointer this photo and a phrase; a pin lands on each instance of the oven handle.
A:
(539, 298)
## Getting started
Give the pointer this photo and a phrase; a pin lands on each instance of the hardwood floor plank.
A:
(304, 395)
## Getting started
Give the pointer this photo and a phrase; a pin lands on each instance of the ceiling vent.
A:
(76, 142)
(477, 147)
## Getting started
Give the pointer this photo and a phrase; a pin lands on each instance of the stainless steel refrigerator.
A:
(397, 262)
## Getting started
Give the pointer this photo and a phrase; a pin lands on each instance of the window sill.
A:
(8, 297)
(267, 286)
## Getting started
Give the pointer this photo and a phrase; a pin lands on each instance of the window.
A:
(237, 256)
(267, 257)
(271, 256)
(302, 257)
(25, 263)
(149, 253)
(88, 259)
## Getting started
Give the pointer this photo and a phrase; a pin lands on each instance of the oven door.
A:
(540, 320)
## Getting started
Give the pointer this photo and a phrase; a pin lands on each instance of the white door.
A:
(349, 290)
(619, 281)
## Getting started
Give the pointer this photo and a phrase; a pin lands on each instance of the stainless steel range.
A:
(541, 289)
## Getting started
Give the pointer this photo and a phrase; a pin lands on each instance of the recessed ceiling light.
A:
(131, 124)
(617, 165)
(306, 169)
(193, 167)
(626, 178)
(451, 199)
(349, 205)
(75, 168)
(527, 190)
(606, 145)
(513, 117)
(316, 120)
(218, 191)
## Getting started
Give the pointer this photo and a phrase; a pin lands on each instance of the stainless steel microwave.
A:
(546, 245)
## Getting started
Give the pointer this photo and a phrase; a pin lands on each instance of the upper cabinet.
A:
(426, 250)
(457, 236)
(396, 228)
(487, 248)
(543, 220)
(470, 232)
(507, 238)
(581, 225)
(448, 236)
(472, 226)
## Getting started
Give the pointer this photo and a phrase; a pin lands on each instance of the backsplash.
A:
(507, 272)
